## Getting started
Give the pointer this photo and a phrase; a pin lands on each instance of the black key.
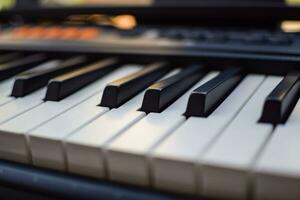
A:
(38, 77)
(163, 93)
(282, 100)
(9, 57)
(206, 98)
(118, 92)
(65, 85)
(14, 67)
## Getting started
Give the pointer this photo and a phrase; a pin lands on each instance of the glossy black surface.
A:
(282, 100)
(14, 67)
(206, 98)
(119, 91)
(9, 57)
(163, 93)
(66, 84)
(38, 77)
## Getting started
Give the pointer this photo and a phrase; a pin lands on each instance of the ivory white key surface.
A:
(174, 161)
(6, 87)
(46, 141)
(85, 147)
(127, 154)
(13, 133)
(277, 171)
(21, 105)
(225, 167)
(5, 99)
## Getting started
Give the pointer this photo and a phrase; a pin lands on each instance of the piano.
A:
(150, 100)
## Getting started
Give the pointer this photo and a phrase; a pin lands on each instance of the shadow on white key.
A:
(277, 171)
(85, 147)
(225, 167)
(14, 133)
(174, 160)
(127, 155)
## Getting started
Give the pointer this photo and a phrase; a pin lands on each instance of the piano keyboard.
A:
(188, 130)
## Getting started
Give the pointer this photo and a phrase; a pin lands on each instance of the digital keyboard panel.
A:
(260, 51)
(184, 129)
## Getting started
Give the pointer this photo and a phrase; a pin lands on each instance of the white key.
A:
(21, 105)
(174, 161)
(46, 140)
(127, 154)
(13, 133)
(277, 171)
(5, 99)
(86, 146)
(225, 167)
(6, 87)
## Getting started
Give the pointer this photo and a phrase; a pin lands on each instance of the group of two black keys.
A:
(65, 77)
(62, 77)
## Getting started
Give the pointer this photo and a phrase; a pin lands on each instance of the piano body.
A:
(150, 100)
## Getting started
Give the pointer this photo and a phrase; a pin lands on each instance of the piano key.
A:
(46, 141)
(174, 160)
(6, 86)
(205, 99)
(119, 91)
(229, 158)
(5, 91)
(163, 93)
(84, 147)
(17, 66)
(13, 133)
(282, 99)
(21, 85)
(277, 169)
(66, 84)
(39, 76)
(5, 99)
(9, 57)
(20, 105)
(127, 155)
